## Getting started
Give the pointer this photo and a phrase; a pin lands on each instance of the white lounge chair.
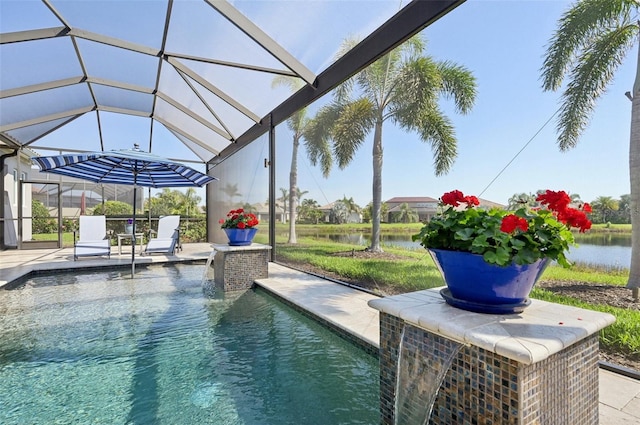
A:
(168, 236)
(93, 238)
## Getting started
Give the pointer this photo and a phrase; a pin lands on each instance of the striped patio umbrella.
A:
(127, 167)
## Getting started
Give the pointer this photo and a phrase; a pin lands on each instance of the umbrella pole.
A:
(133, 235)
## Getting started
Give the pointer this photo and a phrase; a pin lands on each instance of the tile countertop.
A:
(541, 330)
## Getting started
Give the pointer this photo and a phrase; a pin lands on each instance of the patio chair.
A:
(167, 239)
(93, 240)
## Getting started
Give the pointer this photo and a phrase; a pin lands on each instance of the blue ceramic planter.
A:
(240, 237)
(476, 285)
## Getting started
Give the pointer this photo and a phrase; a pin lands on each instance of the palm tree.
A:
(592, 39)
(189, 205)
(350, 205)
(231, 190)
(404, 87)
(519, 200)
(576, 199)
(189, 202)
(624, 208)
(406, 214)
(296, 123)
(604, 206)
(339, 212)
(250, 208)
(300, 194)
(282, 202)
(310, 210)
(367, 211)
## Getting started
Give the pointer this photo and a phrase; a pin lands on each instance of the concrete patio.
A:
(338, 305)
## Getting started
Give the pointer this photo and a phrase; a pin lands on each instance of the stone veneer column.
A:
(537, 367)
(236, 267)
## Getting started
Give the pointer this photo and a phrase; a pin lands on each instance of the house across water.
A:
(424, 206)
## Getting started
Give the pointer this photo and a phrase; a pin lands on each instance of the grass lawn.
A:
(67, 238)
(613, 228)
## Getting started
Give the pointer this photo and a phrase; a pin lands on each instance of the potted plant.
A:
(491, 258)
(239, 227)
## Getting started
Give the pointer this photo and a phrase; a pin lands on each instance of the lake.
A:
(607, 250)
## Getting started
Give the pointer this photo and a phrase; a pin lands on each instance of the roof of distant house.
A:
(327, 207)
(490, 204)
(410, 199)
(485, 203)
(427, 210)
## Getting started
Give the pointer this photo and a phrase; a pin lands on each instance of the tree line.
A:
(168, 202)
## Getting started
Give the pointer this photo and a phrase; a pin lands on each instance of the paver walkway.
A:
(340, 305)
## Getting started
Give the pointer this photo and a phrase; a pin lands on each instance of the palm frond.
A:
(413, 47)
(292, 83)
(438, 131)
(343, 92)
(351, 129)
(317, 134)
(458, 83)
(415, 89)
(575, 32)
(297, 121)
(378, 80)
(414, 105)
(375, 80)
(594, 70)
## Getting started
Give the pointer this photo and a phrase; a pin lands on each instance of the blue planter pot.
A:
(240, 237)
(473, 284)
(128, 228)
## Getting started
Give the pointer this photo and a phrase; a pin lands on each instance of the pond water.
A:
(606, 250)
(105, 348)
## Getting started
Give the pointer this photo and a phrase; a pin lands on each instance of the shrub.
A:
(42, 221)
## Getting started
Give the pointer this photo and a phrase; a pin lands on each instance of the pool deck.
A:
(340, 305)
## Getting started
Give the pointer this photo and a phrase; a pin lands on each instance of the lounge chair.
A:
(93, 238)
(167, 238)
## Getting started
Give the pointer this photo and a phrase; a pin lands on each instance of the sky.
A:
(502, 43)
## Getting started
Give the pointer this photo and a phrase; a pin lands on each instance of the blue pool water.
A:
(102, 348)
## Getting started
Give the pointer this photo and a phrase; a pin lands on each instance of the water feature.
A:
(608, 250)
(104, 348)
(422, 366)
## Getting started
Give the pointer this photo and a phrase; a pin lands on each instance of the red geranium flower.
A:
(555, 201)
(512, 222)
(575, 218)
(238, 219)
(453, 198)
(471, 201)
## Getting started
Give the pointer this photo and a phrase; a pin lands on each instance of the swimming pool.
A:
(103, 348)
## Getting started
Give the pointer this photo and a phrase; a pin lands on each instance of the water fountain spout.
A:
(422, 366)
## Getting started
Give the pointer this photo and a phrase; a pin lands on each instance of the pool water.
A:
(102, 348)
